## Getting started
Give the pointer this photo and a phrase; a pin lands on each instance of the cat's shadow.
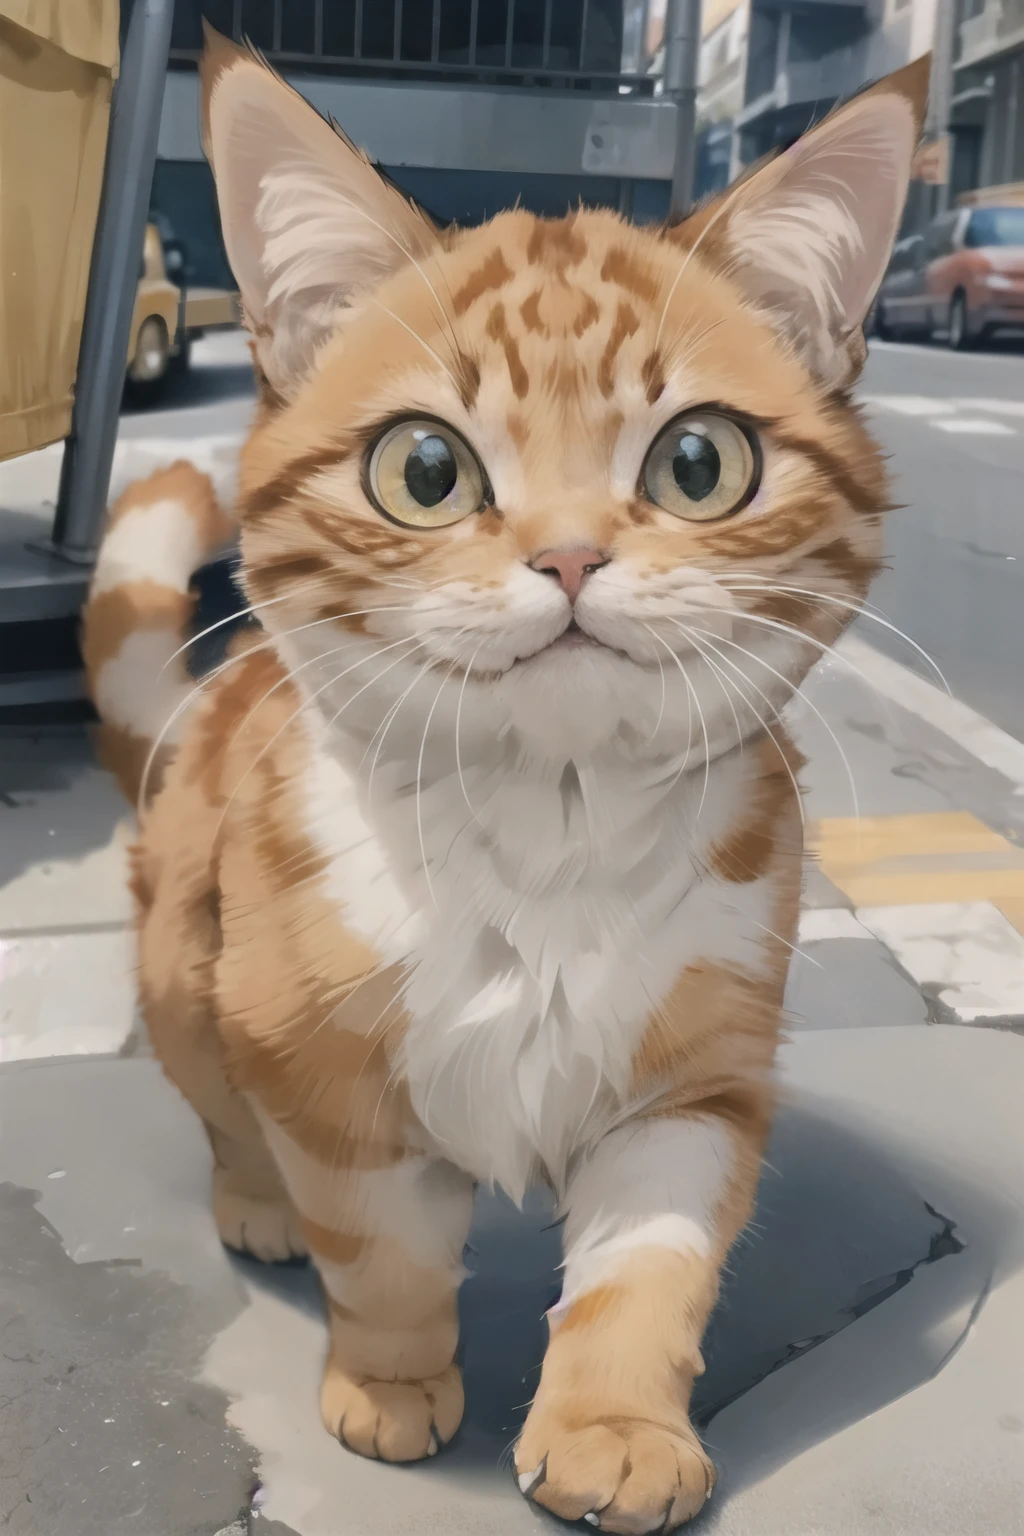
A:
(841, 1229)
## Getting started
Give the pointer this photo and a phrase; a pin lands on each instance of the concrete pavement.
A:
(866, 1366)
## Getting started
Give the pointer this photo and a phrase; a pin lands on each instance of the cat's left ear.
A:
(808, 235)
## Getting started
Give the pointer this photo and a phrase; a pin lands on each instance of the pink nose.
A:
(569, 567)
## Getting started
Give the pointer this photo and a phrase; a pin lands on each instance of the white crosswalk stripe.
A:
(910, 405)
(981, 425)
(958, 414)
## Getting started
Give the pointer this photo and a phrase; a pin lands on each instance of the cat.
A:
(479, 859)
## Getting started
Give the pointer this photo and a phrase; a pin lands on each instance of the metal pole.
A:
(113, 277)
(682, 61)
(940, 87)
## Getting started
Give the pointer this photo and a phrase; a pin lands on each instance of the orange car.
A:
(965, 277)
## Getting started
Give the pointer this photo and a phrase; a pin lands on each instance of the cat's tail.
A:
(160, 531)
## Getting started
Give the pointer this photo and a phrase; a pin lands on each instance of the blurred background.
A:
(767, 69)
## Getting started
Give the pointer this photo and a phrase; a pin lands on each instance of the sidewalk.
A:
(866, 1367)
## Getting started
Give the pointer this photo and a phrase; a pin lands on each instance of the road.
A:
(954, 425)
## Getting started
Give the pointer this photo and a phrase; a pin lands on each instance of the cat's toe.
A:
(268, 1230)
(392, 1420)
(624, 1476)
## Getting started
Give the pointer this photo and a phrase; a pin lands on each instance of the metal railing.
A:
(569, 44)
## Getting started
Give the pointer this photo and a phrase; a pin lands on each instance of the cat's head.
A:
(587, 479)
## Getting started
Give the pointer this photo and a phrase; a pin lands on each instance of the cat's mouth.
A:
(572, 638)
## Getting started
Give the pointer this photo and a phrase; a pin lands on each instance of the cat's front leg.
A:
(386, 1228)
(651, 1214)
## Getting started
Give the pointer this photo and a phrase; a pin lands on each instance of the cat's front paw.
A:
(264, 1229)
(624, 1475)
(392, 1420)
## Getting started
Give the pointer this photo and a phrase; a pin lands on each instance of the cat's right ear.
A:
(308, 222)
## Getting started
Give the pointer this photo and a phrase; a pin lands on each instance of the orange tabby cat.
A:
(481, 860)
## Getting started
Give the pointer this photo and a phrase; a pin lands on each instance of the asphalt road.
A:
(954, 425)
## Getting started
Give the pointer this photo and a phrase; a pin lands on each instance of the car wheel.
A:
(958, 334)
(147, 376)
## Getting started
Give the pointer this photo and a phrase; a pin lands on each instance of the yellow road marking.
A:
(903, 860)
(1012, 908)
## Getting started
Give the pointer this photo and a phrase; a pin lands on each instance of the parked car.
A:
(965, 277)
(904, 265)
(169, 315)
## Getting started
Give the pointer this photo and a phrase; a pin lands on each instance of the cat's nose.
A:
(569, 567)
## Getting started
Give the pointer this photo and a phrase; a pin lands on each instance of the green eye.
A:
(423, 475)
(702, 467)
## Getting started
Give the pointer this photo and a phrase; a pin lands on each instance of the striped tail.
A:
(160, 531)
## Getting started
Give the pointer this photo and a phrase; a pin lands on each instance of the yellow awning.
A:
(83, 29)
(58, 59)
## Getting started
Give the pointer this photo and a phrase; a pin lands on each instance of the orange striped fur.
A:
(433, 887)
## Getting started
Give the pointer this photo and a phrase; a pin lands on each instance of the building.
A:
(470, 105)
(722, 78)
(771, 68)
(987, 117)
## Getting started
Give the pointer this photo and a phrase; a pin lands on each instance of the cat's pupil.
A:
(431, 471)
(696, 465)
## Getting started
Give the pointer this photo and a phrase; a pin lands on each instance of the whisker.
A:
(799, 634)
(289, 677)
(407, 253)
(175, 715)
(417, 337)
(303, 707)
(690, 344)
(389, 720)
(241, 614)
(210, 677)
(333, 618)
(720, 678)
(458, 728)
(661, 707)
(419, 776)
(347, 997)
(810, 704)
(383, 673)
(793, 948)
(768, 584)
(694, 248)
(827, 652)
(741, 617)
(457, 351)
(858, 608)
(767, 728)
(704, 730)
(507, 1456)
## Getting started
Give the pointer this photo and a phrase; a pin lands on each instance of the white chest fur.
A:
(556, 915)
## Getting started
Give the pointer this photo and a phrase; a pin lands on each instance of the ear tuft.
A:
(808, 234)
(308, 223)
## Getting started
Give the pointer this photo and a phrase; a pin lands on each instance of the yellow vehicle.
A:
(167, 318)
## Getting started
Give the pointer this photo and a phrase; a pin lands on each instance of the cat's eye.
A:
(702, 467)
(423, 475)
